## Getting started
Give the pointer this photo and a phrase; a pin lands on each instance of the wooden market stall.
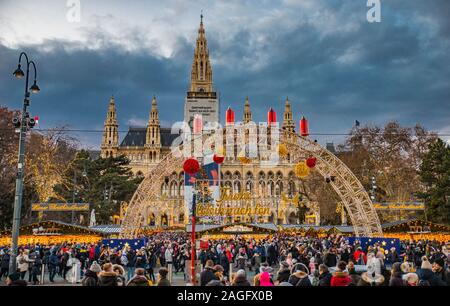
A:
(245, 230)
(416, 229)
(52, 232)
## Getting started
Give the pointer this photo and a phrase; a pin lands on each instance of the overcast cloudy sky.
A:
(333, 64)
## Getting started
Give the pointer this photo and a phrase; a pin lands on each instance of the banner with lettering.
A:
(204, 184)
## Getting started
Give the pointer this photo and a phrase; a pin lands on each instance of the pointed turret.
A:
(153, 134)
(153, 127)
(201, 73)
(247, 112)
(288, 122)
(110, 140)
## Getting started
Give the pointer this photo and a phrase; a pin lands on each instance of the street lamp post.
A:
(25, 123)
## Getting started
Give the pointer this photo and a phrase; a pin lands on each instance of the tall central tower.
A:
(201, 98)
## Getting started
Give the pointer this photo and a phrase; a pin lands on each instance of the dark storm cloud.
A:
(397, 69)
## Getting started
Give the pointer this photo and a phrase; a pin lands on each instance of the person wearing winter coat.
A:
(168, 255)
(107, 277)
(223, 259)
(299, 276)
(425, 273)
(393, 256)
(330, 259)
(36, 269)
(90, 277)
(23, 263)
(264, 279)
(120, 271)
(4, 263)
(240, 279)
(283, 273)
(53, 264)
(360, 257)
(131, 261)
(139, 279)
(32, 257)
(442, 274)
(396, 279)
(324, 276)
(151, 265)
(73, 269)
(355, 277)
(241, 260)
(207, 274)
(340, 278)
(162, 277)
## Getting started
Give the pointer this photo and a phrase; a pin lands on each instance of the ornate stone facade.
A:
(147, 146)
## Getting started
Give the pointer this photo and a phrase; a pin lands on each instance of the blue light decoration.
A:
(385, 243)
(120, 243)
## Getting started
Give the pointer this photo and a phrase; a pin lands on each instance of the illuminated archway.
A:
(350, 190)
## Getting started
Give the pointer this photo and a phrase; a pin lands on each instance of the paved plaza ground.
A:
(177, 280)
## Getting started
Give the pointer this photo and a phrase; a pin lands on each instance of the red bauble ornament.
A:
(191, 166)
(311, 162)
(218, 159)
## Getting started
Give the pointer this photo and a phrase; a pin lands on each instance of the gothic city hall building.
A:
(146, 146)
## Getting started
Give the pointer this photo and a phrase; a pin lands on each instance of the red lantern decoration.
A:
(304, 127)
(311, 162)
(191, 166)
(229, 116)
(271, 117)
(218, 159)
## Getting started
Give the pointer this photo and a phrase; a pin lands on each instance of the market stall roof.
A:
(51, 227)
(340, 228)
(107, 229)
(415, 225)
(233, 228)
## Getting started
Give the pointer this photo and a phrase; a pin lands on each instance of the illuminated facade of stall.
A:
(52, 232)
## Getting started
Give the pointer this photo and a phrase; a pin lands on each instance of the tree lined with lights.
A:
(104, 183)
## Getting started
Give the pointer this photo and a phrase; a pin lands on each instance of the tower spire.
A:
(247, 112)
(288, 122)
(201, 73)
(110, 139)
(153, 137)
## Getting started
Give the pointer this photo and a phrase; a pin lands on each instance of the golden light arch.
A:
(357, 202)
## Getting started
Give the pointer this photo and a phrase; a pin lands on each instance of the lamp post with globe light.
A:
(24, 123)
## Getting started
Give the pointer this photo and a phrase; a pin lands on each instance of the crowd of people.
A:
(278, 260)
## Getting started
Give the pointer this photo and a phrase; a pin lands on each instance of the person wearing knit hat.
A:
(425, 273)
(95, 267)
(240, 279)
(90, 278)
